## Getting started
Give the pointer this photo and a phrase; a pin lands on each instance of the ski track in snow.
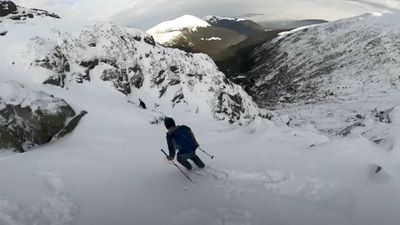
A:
(218, 216)
(55, 208)
(327, 194)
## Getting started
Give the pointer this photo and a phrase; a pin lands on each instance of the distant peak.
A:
(183, 22)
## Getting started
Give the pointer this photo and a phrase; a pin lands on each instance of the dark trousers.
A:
(183, 159)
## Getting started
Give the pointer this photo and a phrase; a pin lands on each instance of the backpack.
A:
(184, 140)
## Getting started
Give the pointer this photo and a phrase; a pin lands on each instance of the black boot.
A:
(185, 163)
(198, 161)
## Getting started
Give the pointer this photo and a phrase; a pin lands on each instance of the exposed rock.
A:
(14, 12)
(377, 169)
(160, 78)
(71, 125)
(29, 118)
(137, 78)
(3, 33)
(346, 131)
(89, 66)
(178, 97)
(231, 105)
(56, 62)
(56, 80)
(174, 69)
(149, 40)
(7, 7)
(119, 79)
(384, 116)
(361, 117)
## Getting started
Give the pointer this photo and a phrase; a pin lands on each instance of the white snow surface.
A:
(167, 31)
(211, 39)
(110, 169)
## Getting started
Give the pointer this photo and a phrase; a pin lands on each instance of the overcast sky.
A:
(147, 13)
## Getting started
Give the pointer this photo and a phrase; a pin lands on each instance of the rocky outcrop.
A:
(133, 64)
(7, 7)
(29, 118)
(14, 12)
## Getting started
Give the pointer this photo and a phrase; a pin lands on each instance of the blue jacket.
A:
(181, 138)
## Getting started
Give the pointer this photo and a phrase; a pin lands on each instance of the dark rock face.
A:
(384, 116)
(233, 109)
(137, 78)
(174, 69)
(25, 128)
(30, 118)
(7, 7)
(149, 40)
(119, 79)
(56, 80)
(57, 63)
(71, 125)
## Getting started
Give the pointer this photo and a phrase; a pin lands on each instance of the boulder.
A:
(29, 118)
(7, 7)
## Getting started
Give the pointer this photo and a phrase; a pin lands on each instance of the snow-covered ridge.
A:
(169, 30)
(9, 10)
(183, 22)
(347, 59)
(68, 53)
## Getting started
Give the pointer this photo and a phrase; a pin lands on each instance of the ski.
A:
(218, 171)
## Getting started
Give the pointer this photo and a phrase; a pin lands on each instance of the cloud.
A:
(147, 13)
(386, 5)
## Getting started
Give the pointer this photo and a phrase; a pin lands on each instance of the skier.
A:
(141, 104)
(181, 138)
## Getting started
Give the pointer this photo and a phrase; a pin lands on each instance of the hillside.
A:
(210, 35)
(349, 57)
(110, 170)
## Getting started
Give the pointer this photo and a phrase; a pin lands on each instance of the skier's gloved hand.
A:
(169, 158)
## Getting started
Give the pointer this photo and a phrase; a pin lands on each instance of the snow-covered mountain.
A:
(210, 35)
(166, 32)
(347, 59)
(336, 76)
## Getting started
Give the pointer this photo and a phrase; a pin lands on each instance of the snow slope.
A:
(110, 169)
(167, 31)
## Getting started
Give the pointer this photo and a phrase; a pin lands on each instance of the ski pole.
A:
(211, 156)
(178, 167)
